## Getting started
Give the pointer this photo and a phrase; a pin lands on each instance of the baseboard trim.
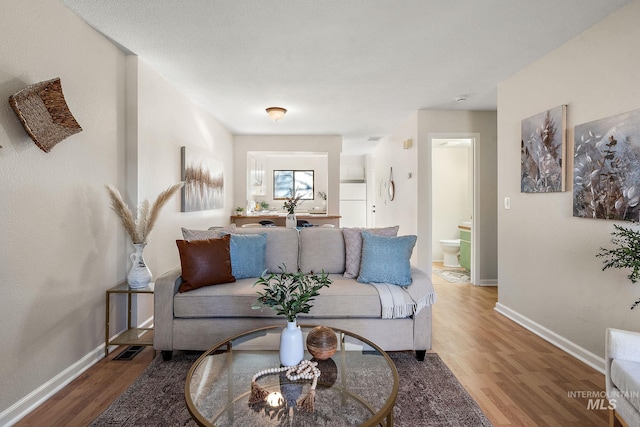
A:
(580, 353)
(37, 397)
(24, 406)
(488, 282)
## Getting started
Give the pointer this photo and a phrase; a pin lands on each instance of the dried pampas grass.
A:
(139, 227)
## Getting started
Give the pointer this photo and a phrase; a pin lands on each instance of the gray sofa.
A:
(198, 319)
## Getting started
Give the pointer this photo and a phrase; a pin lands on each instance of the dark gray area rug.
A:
(429, 395)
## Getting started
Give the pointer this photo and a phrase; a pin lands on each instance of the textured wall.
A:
(61, 246)
(548, 272)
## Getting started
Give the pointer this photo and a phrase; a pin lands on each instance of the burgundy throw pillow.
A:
(205, 262)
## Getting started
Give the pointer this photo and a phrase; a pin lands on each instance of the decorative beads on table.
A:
(305, 370)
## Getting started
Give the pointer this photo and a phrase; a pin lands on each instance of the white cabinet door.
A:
(353, 213)
(353, 191)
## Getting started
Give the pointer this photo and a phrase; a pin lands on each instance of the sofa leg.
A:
(167, 355)
(420, 355)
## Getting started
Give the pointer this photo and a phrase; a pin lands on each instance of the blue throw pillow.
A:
(386, 259)
(248, 254)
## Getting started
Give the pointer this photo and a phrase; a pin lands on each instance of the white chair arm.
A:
(623, 345)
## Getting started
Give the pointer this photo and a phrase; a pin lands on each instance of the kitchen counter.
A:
(279, 218)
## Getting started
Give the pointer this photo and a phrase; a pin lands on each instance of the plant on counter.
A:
(626, 253)
(290, 294)
(291, 202)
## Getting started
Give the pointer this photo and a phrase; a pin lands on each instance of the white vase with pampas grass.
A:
(139, 227)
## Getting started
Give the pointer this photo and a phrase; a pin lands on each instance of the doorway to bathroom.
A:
(452, 215)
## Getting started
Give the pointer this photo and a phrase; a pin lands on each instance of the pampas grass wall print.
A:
(203, 181)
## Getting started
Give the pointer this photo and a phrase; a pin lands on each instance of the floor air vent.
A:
(129, 352)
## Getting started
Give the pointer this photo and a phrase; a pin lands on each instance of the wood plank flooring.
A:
(517, 378)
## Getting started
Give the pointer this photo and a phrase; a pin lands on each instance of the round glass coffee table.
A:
(357, 386)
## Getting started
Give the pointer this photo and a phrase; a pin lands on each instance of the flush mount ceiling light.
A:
(276, 113)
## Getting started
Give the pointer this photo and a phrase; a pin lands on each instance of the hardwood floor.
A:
(517, 378)
(77, 404)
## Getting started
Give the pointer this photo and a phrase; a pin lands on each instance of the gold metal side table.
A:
(132, 335)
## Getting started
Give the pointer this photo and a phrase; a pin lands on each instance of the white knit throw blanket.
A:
(398, 302)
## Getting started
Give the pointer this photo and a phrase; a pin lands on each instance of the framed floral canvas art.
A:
(606, 168)
(542, 152)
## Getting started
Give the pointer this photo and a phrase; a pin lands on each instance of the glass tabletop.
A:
(357, 386)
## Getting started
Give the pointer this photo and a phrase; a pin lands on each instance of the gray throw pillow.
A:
(212, 233)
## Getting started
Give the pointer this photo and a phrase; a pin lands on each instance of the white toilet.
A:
(451, 249)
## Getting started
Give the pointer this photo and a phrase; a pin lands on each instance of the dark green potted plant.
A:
(625, 254)
(290, 294)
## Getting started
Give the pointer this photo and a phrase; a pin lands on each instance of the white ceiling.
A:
(356, 68)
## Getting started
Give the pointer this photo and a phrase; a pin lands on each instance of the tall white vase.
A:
(139, 276)
(291, 221)
(291, 345)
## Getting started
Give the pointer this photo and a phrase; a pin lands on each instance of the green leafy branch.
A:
(626, 253)
(290, 294)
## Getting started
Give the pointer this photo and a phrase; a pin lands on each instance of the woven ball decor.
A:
(322, 342)
(44, 113)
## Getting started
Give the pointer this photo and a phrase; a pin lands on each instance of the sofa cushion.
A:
(625, 375)
(282, 246)
(205, 262)
(353, 246)
(321, 249)
(212, 233)
(248, 254)
(386, 259)
(344, 298)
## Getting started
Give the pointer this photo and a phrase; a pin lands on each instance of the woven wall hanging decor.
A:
(44, 113)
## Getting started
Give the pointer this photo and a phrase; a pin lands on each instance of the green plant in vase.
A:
(625, 254)
(290, 294)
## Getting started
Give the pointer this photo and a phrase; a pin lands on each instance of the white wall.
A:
(390, 154)
(549, 276)
(452, 194)
(411, 208)
(166, 121)
(332, 145)
(62, 244)
(482, 126)
(61, 247)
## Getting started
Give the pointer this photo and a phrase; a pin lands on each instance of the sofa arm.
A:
(166, 287)
(422, 288)
(620, 344)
